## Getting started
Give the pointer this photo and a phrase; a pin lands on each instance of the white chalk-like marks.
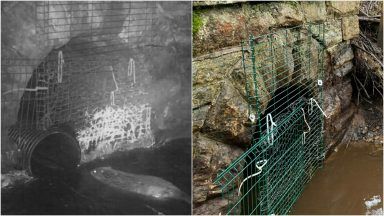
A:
(111, 127)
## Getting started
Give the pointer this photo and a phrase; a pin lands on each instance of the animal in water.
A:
(283, 102)
(149, 186)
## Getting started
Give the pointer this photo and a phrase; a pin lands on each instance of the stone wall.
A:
(220, 125)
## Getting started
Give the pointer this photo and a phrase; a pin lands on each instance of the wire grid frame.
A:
(114, 25)
(284, 72)
(90, 32)
(46, 97)
(94, 68)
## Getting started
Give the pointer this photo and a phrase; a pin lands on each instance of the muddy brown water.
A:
(348, 179)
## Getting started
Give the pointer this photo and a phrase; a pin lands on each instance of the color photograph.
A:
(287, 107)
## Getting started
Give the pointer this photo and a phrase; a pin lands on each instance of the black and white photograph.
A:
(95, 107)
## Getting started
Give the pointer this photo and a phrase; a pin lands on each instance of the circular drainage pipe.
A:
(44, 152)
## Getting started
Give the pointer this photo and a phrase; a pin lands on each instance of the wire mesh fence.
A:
(283, 73)
(111, 24)
(96, 75)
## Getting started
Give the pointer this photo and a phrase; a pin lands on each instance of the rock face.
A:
(227, 26)
(350, 27)
(344, 55)
(341, 56)
(220, 101)
(209, 157)
(343, 8)
(205, 94)
(314, 11)
(332, 34)
(344, 69)
(213, 3)
(199, 115)
(337, 100)
(287, 15)
(214, 68)
(227, 117)
(213, 206)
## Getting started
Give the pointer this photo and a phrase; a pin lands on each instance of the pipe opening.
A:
(56, 153)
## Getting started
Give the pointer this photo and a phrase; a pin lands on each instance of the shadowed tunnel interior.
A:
(56, 152)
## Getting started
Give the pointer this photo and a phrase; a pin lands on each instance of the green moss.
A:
(197, 22)
(293, 3)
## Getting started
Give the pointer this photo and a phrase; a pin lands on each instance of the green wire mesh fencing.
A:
(283, 72)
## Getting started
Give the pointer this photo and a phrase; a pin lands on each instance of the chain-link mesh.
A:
(284, 73)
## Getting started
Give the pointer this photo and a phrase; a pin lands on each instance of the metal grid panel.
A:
(102, 44)
(114, 25)
(85, 84)
(283, 72)
(81, 74)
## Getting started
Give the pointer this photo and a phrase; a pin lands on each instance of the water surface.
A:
(348, 181)
(80, 193)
